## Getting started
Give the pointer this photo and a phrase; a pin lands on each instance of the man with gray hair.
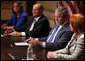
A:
(59, 35)
(36, 26)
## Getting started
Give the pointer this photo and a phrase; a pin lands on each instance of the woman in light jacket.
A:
(75, 48)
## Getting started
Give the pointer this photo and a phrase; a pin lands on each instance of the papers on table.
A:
(2, 35)
(21, 44)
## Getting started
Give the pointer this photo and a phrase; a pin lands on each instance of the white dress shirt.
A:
(31, 28)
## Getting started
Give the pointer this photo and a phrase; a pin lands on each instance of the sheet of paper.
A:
(2, 35)
(21, 44)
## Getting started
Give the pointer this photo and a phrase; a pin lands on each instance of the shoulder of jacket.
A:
(67, 27)
(24, 14)
(81, 39)
(81, 36)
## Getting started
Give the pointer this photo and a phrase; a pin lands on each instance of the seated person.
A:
(75, 48)
(36, 26)
(59, 35)
(18, 18)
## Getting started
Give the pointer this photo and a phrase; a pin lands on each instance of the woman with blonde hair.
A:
(75, 48)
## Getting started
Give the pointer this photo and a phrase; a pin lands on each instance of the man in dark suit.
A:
(37, 25)
(59, 35)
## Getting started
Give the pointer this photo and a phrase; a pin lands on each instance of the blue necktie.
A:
(52, 35)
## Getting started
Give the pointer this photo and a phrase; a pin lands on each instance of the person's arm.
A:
(22, 29)
(41, 29)
(43, 39)
(77, 54)
(23, 34)
(65, 50)
(3, 26)
(9, 27)
(61, 43)
(62, 51)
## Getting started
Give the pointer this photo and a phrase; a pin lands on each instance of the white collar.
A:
(64, 23)
(37, 18)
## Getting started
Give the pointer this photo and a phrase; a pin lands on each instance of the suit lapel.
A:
(39, 20)
(30, 22)
(60, 32)
(52, 30)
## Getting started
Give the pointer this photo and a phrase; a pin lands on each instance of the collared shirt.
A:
(44, 44)
(35, 20)
(57, 31)
(31, 28)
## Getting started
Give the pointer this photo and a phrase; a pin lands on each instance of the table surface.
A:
(9, 51)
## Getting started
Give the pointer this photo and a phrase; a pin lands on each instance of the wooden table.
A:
(9, 51)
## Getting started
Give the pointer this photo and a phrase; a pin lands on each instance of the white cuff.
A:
(43, 44)
(36, 39)
(23, 33)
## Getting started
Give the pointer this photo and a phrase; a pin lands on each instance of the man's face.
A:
(59, 18)
(36, 11)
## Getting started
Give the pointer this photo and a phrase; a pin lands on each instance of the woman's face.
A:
(16, 7)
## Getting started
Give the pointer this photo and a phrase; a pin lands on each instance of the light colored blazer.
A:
(73, 51)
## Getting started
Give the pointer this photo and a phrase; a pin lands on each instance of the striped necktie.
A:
(52, 35)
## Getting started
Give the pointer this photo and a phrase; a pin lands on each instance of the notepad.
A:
(21, 44)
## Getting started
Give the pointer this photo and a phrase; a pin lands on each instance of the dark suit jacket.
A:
(61, 40)
(41, 27)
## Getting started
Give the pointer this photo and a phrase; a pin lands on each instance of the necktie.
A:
(32, 25)
(52, 35)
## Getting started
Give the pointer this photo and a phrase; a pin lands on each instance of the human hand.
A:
(51, 55)
(3, 26)
(29, 39)
(8, 31)
(15, 34)
(34, 42)
(7, 34)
